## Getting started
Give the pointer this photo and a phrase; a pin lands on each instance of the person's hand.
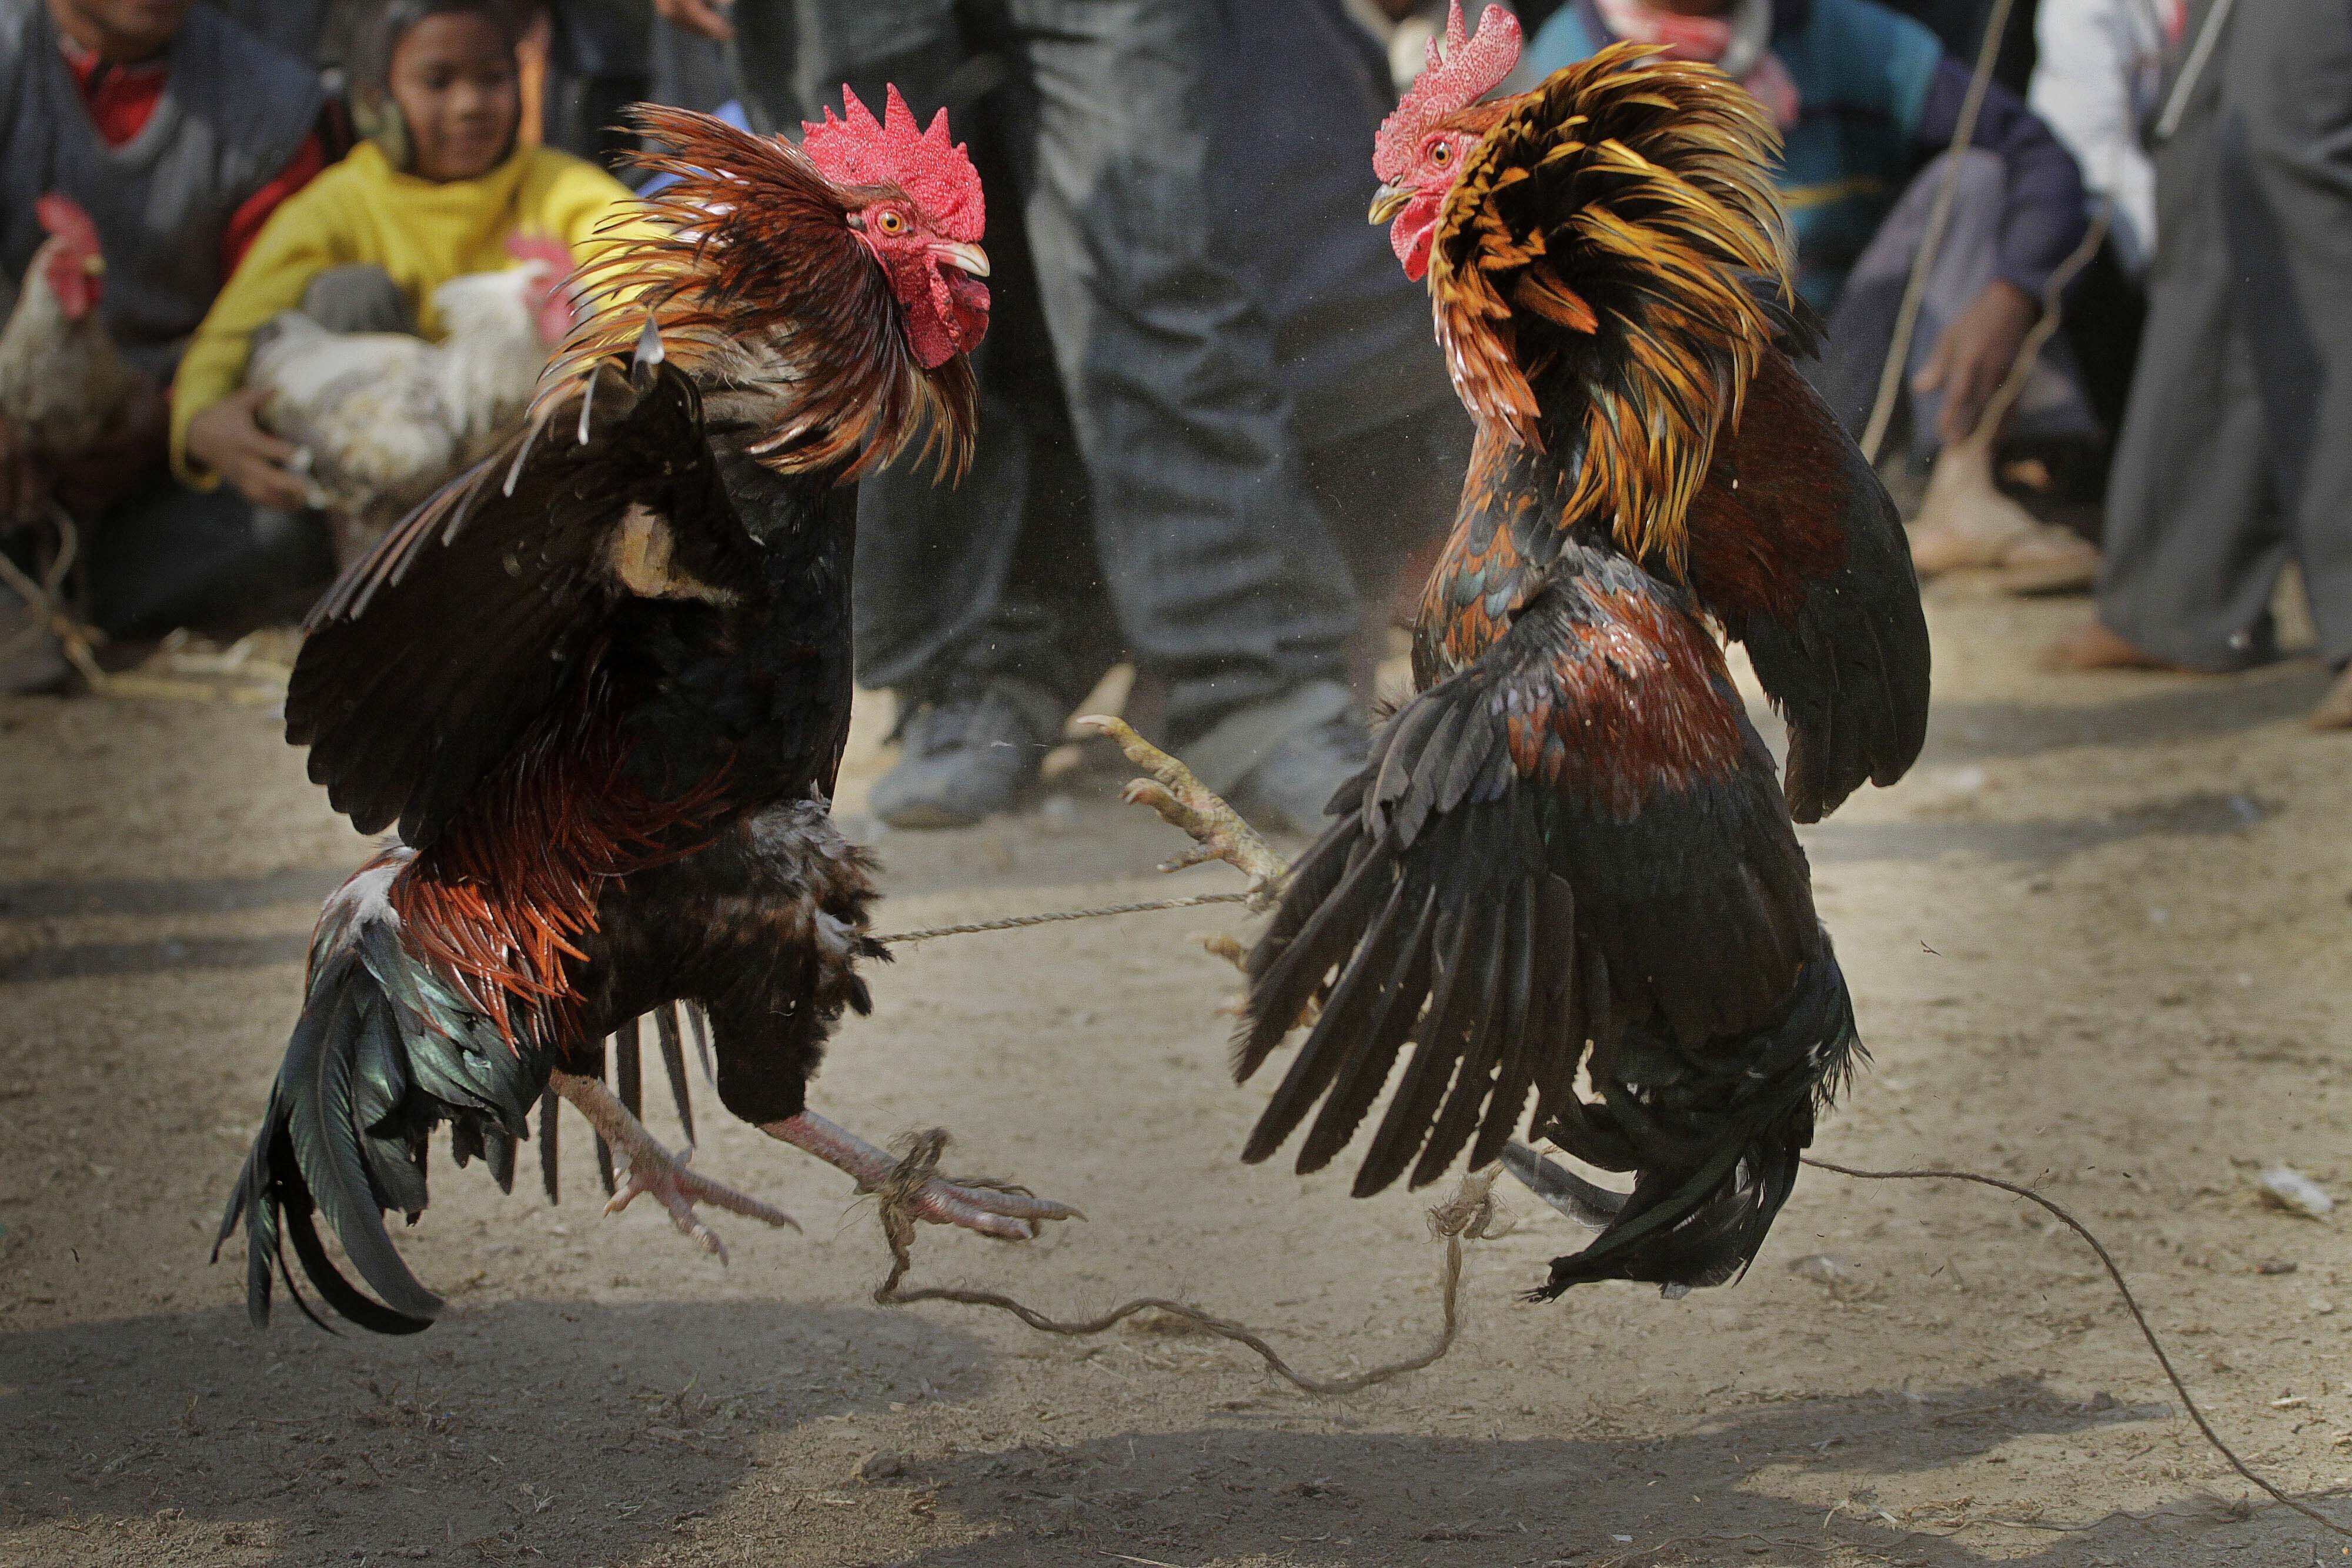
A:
(227, 438)
(1973, 355)
(707, 17)
(122, 459)
(23, 488)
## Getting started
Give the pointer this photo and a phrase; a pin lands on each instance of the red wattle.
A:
(1414, 231)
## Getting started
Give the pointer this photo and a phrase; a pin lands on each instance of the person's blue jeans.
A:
(1137, 479)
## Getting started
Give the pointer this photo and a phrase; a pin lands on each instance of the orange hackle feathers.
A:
(752, 279)
(1606, 223)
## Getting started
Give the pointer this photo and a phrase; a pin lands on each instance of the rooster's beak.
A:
(970, 258)
(1389, 201)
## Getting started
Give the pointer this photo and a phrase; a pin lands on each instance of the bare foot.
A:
(2093, 647)
(1009, 1216)
(654, 1170)
(2335, 709)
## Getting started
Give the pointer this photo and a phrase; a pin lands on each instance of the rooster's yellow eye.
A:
(1442, 153)
(891, 223)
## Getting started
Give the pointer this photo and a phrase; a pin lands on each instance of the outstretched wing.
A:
(1577, 838)
(448, 646)
(1796, 548)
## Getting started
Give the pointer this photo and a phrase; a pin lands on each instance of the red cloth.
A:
(122, 99)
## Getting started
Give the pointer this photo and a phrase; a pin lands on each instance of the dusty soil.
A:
(2098, 943)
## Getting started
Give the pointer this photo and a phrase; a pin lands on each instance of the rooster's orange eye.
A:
(891, 223)
(1442, 153)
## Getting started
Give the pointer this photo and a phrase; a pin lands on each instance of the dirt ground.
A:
(2098, 943)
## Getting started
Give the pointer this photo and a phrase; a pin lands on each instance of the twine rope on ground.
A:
(1473, 1213)
(2131, 1304)
(1015, 922)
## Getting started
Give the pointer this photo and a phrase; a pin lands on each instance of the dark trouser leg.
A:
(2192, 547)
(992, 577)
(173, 557)
(1388, 494)
(2285, 174)
(1862, 324)
(1227, 584)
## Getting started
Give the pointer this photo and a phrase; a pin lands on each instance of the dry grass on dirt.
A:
(2098, 943)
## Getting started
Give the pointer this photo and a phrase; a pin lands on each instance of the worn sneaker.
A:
(1289, 789)
(968, 757)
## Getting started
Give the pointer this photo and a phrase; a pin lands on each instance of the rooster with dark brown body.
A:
(1569, 855)
(602, 682)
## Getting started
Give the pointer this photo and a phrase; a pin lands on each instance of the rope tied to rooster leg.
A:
(1473, 1213)
(1017, 922)
(2131, 1304)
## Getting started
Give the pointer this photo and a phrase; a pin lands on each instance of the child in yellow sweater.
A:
(434, 193)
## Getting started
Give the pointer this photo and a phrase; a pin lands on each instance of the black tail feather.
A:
(1719, 1153)
(673, 1055)
(549, 1108)
(367, 1076)
(629, 1067)
(313, 1151)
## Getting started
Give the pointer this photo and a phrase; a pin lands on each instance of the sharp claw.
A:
(1012, 1205)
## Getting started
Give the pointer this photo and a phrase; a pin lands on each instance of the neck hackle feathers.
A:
(747, 272)
(1464, 69)
(1608, 239)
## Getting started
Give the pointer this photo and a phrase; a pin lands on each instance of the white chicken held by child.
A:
(382, 419)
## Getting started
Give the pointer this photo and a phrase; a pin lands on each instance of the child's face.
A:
(454, 77)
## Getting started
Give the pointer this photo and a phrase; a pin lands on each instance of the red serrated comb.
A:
(1465, 70)
(63, 217)
(857, 150)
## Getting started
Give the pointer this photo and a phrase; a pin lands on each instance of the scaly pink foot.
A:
(654, 1170)
(1007, 1216)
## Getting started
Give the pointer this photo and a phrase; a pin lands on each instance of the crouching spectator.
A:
(1869, 102)
(178, 133)
(440, 189)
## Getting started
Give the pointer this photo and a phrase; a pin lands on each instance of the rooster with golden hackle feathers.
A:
(1568, 877)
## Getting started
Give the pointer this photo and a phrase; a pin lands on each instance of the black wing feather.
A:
(1507, 924)
(438, 653)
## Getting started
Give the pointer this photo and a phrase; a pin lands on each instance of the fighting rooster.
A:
(602, 682)
(1568, 853)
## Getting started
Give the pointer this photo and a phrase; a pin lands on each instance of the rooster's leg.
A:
(654, 1170)
(1217, 830)
(1010, 1216)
